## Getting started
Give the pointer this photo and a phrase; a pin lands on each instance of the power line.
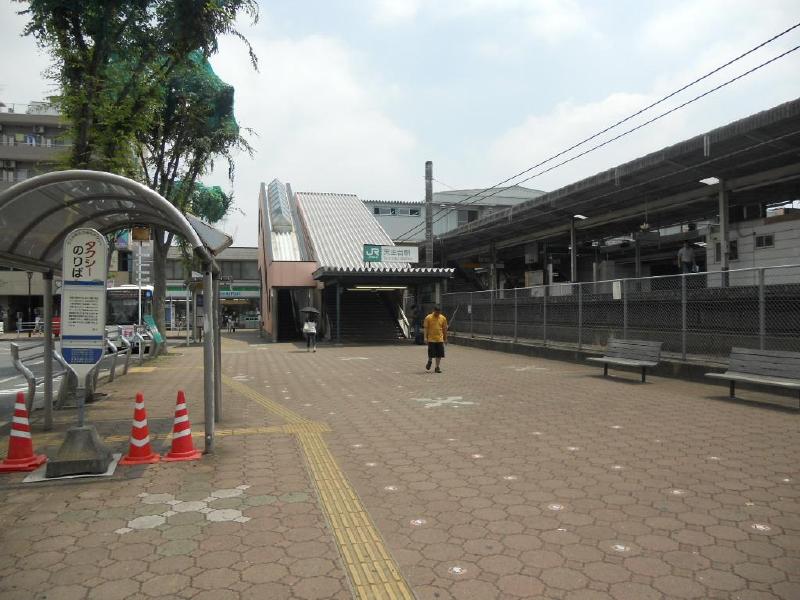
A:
(478, 195)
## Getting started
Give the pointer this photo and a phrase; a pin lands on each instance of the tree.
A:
(112, 58)
(141, 97)
(194, 126)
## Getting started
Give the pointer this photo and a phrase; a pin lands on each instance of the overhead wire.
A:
(479, 195)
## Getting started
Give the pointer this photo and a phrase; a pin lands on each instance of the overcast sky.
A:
(353, 96)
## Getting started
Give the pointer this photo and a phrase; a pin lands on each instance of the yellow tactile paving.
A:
(372, 571)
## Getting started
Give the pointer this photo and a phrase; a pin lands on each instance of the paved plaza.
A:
(354, 473)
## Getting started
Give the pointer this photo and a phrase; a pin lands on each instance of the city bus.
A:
(122, 307)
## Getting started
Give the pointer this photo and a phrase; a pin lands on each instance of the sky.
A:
(353, 96)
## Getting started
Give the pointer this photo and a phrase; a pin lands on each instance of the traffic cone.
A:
(140, 452)
(182, 444)
(20, 445)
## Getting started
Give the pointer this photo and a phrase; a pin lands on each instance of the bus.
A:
(122, 307)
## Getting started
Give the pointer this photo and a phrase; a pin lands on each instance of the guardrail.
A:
(700, 314)
(19, 356)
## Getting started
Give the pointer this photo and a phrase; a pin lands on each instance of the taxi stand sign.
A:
(390, 254)
(83, 300)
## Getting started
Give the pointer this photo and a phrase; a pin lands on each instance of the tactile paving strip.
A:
(373, 572)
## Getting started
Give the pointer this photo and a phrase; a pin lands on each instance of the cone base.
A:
(177, 456)
(31, 463)
(140, 460)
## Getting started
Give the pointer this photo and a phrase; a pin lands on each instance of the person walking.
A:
(686, 261)
(435, 331)
(310, 329)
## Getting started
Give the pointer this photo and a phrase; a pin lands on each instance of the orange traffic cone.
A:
(182, 445)
(20, 445)
(139, 451)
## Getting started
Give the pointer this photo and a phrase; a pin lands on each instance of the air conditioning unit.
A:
(38, 129)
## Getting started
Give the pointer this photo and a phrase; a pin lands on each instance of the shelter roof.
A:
(38, 213)
(751, 155)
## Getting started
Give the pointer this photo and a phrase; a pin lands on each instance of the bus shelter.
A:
(38, 213)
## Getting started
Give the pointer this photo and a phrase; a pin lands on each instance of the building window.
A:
(392, 211)
(467, 216)
(733, 251)
(414, 212)
(376, 210)
(765, 241)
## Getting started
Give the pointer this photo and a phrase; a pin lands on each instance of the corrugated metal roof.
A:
(338, 226)
(284, 246)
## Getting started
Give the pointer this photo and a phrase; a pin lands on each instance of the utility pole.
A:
(429, 213)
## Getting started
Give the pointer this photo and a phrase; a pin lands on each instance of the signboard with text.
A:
(390, 254)
(83, 299)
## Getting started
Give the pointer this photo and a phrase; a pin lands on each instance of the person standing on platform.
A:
(435, 330)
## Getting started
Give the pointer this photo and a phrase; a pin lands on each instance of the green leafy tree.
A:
(141, 97)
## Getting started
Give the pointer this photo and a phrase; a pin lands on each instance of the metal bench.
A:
(630, 353)
(763, 367)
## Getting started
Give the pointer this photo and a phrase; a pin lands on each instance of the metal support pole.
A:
(638, 256)
(544, 315)
(338, 312)
(573, 252)
(762, 310)
(515, 315)
(208, 358)
(683, 317)
(48, 350)
(624, 309)
(723, 232)
(217, 355)
(580, 315)
(471, 314)
(491, 314)
(188, 318)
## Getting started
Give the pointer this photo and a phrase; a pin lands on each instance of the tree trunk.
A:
(160, 249)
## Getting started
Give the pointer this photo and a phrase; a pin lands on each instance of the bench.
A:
(630, 353)
(763, 367)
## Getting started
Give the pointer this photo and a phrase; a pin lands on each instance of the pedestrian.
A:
(435, 330)
(310, 331)
(686, 260)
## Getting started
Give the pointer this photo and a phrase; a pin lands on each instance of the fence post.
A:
(580, 316)
(762, 310)
(491, 314)
(683, 317)
(515, 315)
(624, 309)
(471, 314)
(544, 315)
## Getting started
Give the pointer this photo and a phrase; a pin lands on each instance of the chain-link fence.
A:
(700, 315)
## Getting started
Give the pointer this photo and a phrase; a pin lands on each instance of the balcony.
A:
(11, 149)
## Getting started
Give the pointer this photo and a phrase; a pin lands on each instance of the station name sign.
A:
(390, 254)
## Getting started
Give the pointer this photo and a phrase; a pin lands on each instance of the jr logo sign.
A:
(372, 253)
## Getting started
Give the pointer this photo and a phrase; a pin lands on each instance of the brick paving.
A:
(503, 477)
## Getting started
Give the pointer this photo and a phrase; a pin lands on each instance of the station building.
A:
(311, 256)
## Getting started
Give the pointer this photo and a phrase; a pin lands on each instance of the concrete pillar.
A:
(573, 252)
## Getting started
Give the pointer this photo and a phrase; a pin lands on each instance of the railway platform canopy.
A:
(732, 166)
(37, 214)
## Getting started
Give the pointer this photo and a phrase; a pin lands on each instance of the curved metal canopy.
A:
(38, 213)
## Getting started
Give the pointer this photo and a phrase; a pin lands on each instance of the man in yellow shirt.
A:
(435, 330)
